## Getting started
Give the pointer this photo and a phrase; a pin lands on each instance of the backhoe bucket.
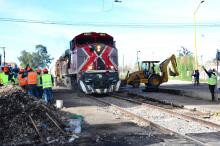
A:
(171, 73)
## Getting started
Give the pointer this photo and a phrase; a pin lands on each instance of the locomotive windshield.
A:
(106, 41)
(85, 40)
(91, 38)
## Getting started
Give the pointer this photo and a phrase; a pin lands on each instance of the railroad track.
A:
(177, 112)
(157, 117)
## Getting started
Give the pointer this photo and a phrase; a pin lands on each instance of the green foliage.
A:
(42, 58)
(185, 64)
(185, 67)
(184, 52)
(25, 58)
(38, 59)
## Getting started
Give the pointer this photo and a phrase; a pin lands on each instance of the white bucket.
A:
(59, 103)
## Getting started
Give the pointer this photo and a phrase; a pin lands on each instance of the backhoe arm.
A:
(163, 68)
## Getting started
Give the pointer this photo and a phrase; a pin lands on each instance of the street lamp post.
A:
(3, 48)
(138, 60)
(195, 46)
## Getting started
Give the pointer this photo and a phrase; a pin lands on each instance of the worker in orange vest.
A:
(32, 82)
(22, 81)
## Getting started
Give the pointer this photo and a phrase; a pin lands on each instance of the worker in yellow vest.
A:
(212, 81)
(6, 76)
(39, 83)
(47, 83)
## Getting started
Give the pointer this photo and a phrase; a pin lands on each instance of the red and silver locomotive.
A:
(91, 64)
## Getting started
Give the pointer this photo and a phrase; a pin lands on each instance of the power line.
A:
(110, 24)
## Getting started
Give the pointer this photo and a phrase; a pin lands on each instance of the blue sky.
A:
(164, 24)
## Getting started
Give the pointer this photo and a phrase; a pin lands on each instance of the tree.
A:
(42, 57)
(25, 58)
(38, 59)
(185, 63)
(184, 52)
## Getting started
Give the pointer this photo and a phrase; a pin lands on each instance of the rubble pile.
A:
(27, 120)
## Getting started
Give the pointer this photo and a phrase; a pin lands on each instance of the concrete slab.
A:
(186, 88)
(181, 93)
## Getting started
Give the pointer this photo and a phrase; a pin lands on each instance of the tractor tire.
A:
(154, 81)
(123, 83)
(67, 82)
(136, 84)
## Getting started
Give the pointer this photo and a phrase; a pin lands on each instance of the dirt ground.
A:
(101, 127)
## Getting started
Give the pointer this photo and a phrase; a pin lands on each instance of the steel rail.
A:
(149, 122)
(176, 114)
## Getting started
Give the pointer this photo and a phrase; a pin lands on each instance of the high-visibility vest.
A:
(22, 81)
(32, 78)
(212, 80)
(39, 84)
(47, 81)
(1, 74)
(16, 80)
(5, 79)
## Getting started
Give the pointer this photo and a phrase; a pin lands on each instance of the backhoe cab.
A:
(148, 75)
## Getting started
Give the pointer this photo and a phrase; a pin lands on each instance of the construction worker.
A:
(47, 82)
(1, 74)
(196, 77)
(39, 83)
(6, 76)
(22, 81)
(15, 72)
(32, 82)
(212, 81)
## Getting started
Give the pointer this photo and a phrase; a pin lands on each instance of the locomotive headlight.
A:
(90, 67)
(98, 48)
(99, 76)
(112, 67)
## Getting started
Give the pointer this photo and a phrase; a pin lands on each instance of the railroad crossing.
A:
(194, 121)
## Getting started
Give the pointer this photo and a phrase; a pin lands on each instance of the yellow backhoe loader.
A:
(147, 74)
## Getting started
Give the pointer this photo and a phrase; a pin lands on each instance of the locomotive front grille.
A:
(100, 84)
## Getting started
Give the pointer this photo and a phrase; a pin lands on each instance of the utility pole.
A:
(3, 48)
(0, 59)
(195, 45)
(123, 63)
(138, 60)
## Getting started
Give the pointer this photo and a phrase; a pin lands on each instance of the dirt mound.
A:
(27, 120)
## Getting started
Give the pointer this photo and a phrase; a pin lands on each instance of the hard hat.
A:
(38, 70)
(45, 70)
(29, 68)
(21, 71)
(6, 69)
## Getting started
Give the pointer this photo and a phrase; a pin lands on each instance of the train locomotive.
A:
(91, 64)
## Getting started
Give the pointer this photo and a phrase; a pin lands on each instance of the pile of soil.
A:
(26, 120)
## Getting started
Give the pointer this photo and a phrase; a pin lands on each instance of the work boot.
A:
(213, 98)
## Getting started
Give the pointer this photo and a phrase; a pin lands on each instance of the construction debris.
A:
(27, 120)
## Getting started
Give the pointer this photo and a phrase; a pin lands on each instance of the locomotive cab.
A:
(93, 63)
